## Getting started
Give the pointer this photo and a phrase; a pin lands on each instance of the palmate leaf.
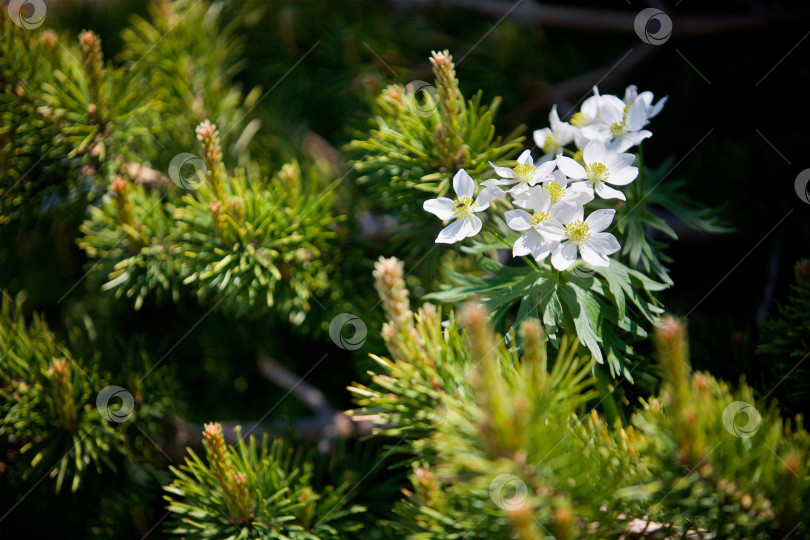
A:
(616, 302)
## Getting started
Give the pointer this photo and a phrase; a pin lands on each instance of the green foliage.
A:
(41, 163)
(422, 135)
(605, 307)
(185, 59)
(255, 490)
(785, 344)
(495, 436)
(245, 244)
(48, 410)
(516, 449)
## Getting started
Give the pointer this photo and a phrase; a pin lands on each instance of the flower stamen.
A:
(537, 218)
(580, 120)
(524, 173)
(618, 130)
(597, 172)
(462, 207)
(551, 144)
(578, 232)
(557, 191)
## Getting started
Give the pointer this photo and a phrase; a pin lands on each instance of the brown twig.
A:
(610, 20)
(329, 423)
(580, 85)
(324, 428)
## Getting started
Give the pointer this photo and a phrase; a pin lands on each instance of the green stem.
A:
(640, 180)
(490, 229)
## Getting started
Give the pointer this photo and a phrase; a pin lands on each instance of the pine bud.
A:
(93, 63)
(120, 188)
(234, 486)
(534, 351)
(63, 394)
(208, 136)
(48, 38)
(563, 523)
(390, 285)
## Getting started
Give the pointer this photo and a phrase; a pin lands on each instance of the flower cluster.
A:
(550, 194)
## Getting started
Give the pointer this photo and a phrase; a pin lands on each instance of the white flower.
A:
(625, 122)
(552, 139)
(588, 123)
(466, 224)
(631, 94)
(542, 225)
(586, 237)
(524, 175)
(602, 167)
(560, 190)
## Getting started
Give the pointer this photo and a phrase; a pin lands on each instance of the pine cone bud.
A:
(63, 394)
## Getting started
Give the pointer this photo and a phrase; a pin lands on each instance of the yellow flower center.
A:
(578, 232)
(538, 218)
(597, 172)
(557, 191)
(551, 144)
(580, 120)
(462, 207)
(618, 129)
(524, 173)
(578, 157)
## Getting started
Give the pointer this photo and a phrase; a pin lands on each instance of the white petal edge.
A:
(564, 256)
(606, 192)
(518, 220)
(571, 168)
(600, 220)
(441, 207)
(463, 184)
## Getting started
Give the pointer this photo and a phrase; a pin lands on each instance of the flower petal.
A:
(544, 169)
(538, 199)
(564, 211)
(525, 158)
(472, 225)
(606, 192)
(441, 207)
(600, 220)
(551, 229)
(592, 257)
(590, 107)
(594, 132)
(518, 220)
(578, 193)
(540, 136)
(526, 244)
(594, 153)
(630, 93)
(564, 256)
(463, 184)
(571, 168)
(604, 243)
(637, 116)
(452, 233)
(487, 195)
(657, 107)
(497, 182)
(622, 177)
(543, 250)
(619, 161)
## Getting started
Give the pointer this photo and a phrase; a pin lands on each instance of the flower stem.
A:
(494, 232)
